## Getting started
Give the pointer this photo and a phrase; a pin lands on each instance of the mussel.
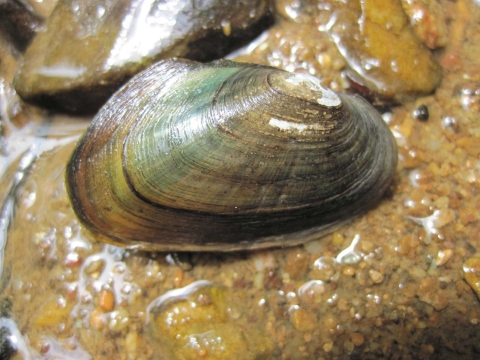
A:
(227, 156)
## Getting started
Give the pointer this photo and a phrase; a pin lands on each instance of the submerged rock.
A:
(382, 50)
(91, 47)
(200, 321)
(382, 53)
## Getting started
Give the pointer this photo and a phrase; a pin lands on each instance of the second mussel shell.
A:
(227, 156)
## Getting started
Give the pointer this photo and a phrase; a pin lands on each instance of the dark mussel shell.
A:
(227, 156)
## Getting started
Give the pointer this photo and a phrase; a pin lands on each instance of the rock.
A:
(382, 55)
(381, 49)
(91, 47)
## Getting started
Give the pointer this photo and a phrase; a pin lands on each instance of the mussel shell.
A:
(226, 156)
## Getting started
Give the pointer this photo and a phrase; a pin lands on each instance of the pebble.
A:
(376, 276)
(443, 256)
(357, 339)
(301, 319)
(327, 347)
(97, 319)
(421, 113)
(337, 238)
(349, 270)
(297, 264)
(107, 300)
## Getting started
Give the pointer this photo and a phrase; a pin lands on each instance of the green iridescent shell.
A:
(227, 156)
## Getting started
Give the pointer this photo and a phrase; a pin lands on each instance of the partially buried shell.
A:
(227, 156)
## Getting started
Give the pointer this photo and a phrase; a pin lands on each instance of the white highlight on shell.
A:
(289, 126)
(62, 70)
(329, 98)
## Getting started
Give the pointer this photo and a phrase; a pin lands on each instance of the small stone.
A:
(349, 270)
(330, 322)
(297, 264)
(327, 347)
(107, 300)
(324, 60)
(357, 339)
(337, 238)
(376, 276)
(443, 256)
(302, 320)
(421, 113)
(97, 319)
